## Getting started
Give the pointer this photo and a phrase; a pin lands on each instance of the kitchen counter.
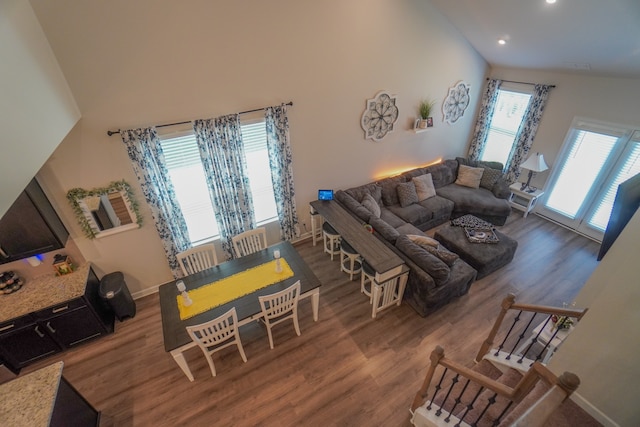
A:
(42, 292)
(29, 400)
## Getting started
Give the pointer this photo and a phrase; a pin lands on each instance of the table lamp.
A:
(535, 163)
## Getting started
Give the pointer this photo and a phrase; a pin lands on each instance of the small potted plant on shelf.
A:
(425, 108)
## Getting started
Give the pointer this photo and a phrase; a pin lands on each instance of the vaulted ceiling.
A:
(596, 37)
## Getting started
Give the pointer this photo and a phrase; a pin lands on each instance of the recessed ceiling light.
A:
(551, 1)
(502, 41)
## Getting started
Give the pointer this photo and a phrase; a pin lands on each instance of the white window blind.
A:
(187, 175)
(588, 153)
(511, 106)
(630, 167)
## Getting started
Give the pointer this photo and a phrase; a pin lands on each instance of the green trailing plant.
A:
(76, 194)
(425, 109)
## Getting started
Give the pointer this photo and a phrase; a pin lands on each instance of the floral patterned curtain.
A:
(147, 158)
(483, 122)
(280, 161)
(222, 154)
(526, 132)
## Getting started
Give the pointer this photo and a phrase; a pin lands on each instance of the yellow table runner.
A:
(240, 284)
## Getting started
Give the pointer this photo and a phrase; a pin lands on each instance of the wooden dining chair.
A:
(197, 259)
(249, 242)
(217, 334)
(279, 307)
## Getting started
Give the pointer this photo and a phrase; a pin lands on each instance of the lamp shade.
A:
(535, 163)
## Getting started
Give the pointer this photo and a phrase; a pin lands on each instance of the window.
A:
(187, 175)
(594, 160)
(511, 106)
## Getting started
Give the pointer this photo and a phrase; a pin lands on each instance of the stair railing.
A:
(513, 336)
(448, 405)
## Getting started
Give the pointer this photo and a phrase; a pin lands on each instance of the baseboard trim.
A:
(593, 411)
(145, 292)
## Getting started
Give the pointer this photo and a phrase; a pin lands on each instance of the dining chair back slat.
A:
(279, 307)
(249, 242)
(197, 259)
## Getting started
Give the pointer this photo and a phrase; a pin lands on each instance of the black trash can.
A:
(114, 291)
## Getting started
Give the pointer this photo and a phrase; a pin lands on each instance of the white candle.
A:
(180, 285)
(276, 254)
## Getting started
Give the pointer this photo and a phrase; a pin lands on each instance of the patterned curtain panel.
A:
(527, 132)
(147, 158)
(225, 165)
(483, 122)
(280, 161)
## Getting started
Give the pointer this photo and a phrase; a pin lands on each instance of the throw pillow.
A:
(424, 186)
(470, 221)
(370, 203)
(423, 240)
(489, 178)
(443, 253)
(407, 194)
(469, 177)
(431, 264)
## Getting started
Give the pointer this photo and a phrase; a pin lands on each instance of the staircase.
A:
(508, 384)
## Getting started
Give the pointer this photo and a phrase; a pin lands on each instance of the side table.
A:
(523, 200)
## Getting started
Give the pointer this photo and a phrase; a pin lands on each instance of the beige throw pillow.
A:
(424, 186)
(469, 177)
(423, 240)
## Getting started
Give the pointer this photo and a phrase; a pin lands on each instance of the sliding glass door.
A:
(594, 160)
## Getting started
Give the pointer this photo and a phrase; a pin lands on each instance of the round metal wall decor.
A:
(380, 115)
(456, 102)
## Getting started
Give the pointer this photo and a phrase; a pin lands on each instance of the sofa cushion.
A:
(360, 192)
(370, 203)
(476, 201)
(408, 228)
(414, 214)
(489, 178)
(390, 218)
(435, 267)
(353, 205)
(389, 193)
(407, 194)
(424, 186)
(443, 173)
(469, 176)
(440, 207)
(388, 232)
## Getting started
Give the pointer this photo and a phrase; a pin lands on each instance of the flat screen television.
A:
(624, 206)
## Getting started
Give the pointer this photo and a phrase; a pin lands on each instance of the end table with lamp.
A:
(523, 195)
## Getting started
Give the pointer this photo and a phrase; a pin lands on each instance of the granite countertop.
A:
(28, 401)
(42, 292)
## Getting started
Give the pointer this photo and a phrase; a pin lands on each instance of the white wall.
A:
(603, 349)
(132, 64)
(36, 106)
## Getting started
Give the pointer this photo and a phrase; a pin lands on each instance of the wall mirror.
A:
(105, 211)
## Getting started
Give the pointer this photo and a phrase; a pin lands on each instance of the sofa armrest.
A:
(352, 205)
(501, 189)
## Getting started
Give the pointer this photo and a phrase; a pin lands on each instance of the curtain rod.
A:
(522, 83)
(113, 132)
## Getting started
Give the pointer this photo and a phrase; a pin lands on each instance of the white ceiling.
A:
(597, 37)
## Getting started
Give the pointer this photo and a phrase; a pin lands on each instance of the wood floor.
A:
(344, 370)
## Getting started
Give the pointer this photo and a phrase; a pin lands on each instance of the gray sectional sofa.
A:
(397, 216)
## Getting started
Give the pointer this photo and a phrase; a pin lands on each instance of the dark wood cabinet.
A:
(24, 341)
(39, 334)
(31, 226)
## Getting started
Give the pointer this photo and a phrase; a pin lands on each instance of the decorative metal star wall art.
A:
(456, 102)
(380, 115)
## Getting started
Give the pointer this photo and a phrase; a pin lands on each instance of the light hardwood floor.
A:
(344, 370)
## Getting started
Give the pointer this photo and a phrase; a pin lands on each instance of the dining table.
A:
(176, 338)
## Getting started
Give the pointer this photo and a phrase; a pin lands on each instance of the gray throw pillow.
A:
(443, 253)
(388, 232)
(370, 203)
(489, 178)
(407, 194)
